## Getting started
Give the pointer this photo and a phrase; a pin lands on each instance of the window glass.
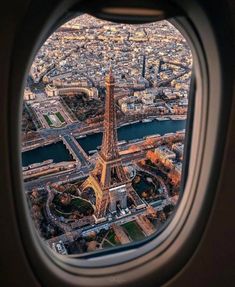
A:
(103, 129)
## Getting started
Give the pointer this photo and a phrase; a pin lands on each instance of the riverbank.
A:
(130, 133)
(133, 132)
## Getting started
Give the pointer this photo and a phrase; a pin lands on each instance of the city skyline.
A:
(84, 193)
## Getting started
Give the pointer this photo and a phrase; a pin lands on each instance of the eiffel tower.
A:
(108, 179)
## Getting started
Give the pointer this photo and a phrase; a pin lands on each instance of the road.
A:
(68, 129)
(73, 144)
(60, 178)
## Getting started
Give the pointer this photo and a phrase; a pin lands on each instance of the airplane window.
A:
(103, 133)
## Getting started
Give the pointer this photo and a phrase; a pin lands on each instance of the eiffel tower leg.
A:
(101, 207)
(102, 202)
(85, 184)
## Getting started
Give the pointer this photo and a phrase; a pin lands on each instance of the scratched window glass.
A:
(103, 129)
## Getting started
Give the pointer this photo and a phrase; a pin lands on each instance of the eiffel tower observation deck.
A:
(108, 179)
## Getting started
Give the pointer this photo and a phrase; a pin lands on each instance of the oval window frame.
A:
(200, 200)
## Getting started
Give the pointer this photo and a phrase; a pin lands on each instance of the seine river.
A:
(58, 152)
(134, 131)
